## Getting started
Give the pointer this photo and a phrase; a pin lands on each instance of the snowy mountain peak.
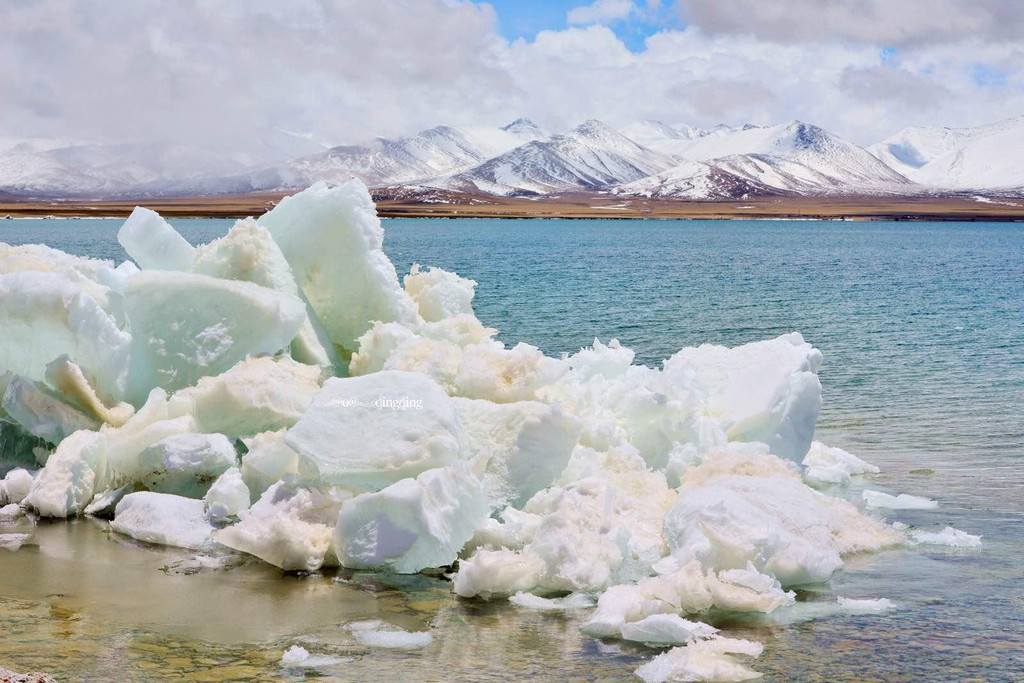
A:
(523, 127)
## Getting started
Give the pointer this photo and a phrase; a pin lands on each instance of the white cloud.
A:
(348, 70)
(885, 22)
(600, 12)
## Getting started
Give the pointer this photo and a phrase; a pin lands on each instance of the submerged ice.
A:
(281, 392)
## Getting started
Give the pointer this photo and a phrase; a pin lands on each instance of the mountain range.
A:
(646, 158)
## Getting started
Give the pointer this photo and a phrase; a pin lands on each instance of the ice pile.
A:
(281, 393)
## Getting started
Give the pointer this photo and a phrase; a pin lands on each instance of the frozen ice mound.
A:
(384, 427)
(395, 425)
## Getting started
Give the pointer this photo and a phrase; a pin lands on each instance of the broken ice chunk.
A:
(68, 379)
(287, 527)
(163, 519)
(333, 242)
(153, 243)
(712, 659)
(413, 524)
(528, 444)
(826, 465)
(768, 391)
(438, 293)
(229, 494)
(40, 411)
(186, 464)
(249, 253)
(255, 395)
(374, 430)
(903, 501)
(666, 629)
(189, 326)
(45, 315)
(68, 482)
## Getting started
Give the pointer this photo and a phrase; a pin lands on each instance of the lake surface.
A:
(922, 329)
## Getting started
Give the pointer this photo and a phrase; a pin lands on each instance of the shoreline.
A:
(569, 206)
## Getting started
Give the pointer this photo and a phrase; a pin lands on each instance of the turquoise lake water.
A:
(922, 330)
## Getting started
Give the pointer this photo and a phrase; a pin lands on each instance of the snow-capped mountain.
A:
(590, 156)
(983, 158)
(647, 158)
(791, 158)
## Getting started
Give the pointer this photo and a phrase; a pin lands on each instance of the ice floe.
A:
(278, 392)
(903, 501)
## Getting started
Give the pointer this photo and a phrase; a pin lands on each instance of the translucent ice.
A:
(249, 253)
(903, 501)
(528, 444)
(153, 243)
(855, 606)
(186, 327)
(536, 602)
(46, 315)
(333, 241)
(39, 410)
(666, 629)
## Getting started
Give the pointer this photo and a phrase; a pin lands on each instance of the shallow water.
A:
(922, 327)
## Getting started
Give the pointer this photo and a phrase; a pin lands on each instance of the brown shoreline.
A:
(560, 206)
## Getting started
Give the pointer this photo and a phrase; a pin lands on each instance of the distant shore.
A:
(559, 206)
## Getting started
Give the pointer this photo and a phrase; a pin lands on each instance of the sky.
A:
(345, 71)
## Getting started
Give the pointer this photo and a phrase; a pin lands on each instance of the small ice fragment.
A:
(535, 602)
(9, 513)
(904, 501)
(955, 538)
(298, 656)
(666, 629)
(13, 541)
(394, 639)
(18, 483)
(703, 660)
(855, 606)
